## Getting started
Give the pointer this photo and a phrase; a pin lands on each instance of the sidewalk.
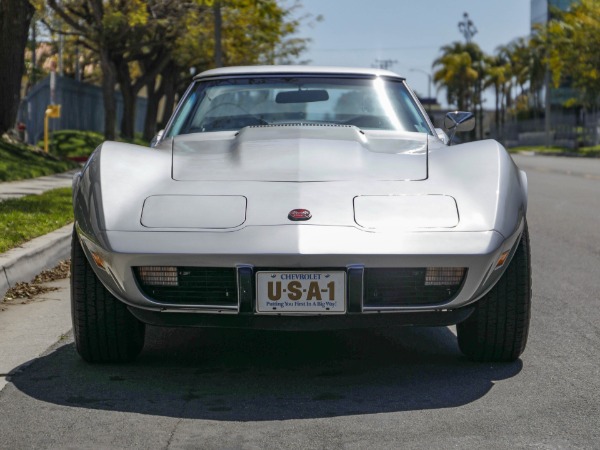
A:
(16, 189)
(23, 263)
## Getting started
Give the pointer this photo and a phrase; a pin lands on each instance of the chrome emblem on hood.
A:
(299, 214)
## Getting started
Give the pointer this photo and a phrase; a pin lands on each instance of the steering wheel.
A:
(231, 123)
(220, 105)
(377, 122)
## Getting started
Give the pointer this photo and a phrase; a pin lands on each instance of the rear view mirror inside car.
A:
(300, 96)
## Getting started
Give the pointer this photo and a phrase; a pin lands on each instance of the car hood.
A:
(300, 152)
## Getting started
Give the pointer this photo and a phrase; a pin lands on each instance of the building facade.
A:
(541, 9)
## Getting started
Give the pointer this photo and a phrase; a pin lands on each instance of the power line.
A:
(374, 49)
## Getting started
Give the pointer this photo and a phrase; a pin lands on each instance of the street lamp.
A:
(429, 83)
(467, 28)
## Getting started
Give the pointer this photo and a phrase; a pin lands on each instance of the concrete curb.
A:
(25, 262)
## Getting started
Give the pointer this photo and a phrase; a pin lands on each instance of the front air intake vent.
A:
(203, 286)
(411, 286)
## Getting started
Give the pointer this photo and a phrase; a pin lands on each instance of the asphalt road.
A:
(407, 389)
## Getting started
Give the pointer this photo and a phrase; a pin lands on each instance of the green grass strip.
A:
(18, 162)
(537, 149)
(22, 219)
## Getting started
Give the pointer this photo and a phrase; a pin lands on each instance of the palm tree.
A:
(497, 76)
(460, 70)
(457, 75)
(537, 71)
(526, 57)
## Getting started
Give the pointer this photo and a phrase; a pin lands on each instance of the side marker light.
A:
(502, 259)
(98, 260)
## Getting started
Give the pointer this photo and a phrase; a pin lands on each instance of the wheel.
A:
(105, 331)
(498, 328)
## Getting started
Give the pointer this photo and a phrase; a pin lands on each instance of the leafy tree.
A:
(526, 69)
(153, 43)
(78, 62)
(251, 32)
(518, 55)
(572, 40)
(537, 70)
(456, 74)
(497, 77)
(517, 67)
(103, 27)
(15, 17)
(148, 55)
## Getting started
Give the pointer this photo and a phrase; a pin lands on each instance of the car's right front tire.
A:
(104, 329)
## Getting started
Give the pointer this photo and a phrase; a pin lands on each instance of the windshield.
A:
(234, 103)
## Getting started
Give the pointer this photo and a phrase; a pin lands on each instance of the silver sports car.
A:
(301, 198)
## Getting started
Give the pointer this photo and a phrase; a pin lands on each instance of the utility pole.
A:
(467, 28)
(218, 26)
(61, 45)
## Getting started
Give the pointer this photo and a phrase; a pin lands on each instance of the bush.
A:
(74, 143)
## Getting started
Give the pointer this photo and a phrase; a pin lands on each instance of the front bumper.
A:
(296, 247)
(304, 323)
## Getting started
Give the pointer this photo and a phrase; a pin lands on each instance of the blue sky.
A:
(356, 33)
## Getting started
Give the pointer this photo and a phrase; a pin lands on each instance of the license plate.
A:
(301, 292)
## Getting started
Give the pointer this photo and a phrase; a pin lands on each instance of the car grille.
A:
(411, 286)
(382, 287)
(212, 286)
